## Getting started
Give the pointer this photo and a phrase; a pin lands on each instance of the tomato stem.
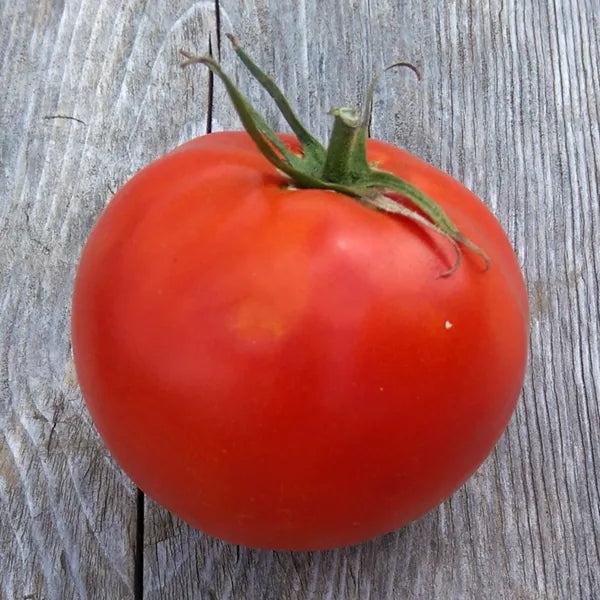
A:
(340, 159)
(343, 166)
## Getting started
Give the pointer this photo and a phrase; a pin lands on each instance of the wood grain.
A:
(509, 104)
(67, 512)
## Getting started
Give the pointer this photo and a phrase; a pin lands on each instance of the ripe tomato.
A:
(285, 368)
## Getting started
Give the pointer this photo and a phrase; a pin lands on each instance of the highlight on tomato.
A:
(298, 346)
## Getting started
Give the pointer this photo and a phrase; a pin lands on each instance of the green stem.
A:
(304, 137)
(343, 167)
(339, 160)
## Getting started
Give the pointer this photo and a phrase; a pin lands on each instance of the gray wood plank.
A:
(67, 512)
(509, 105)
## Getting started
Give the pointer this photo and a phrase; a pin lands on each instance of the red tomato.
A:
(286, 368)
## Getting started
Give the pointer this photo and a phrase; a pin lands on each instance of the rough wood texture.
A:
(67, 512)
(509, 104)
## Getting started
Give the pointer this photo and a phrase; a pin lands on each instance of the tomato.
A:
(277, 341)
(287, 368)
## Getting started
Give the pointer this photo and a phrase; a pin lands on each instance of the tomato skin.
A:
(286, 369)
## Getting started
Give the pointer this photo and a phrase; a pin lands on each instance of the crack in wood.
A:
(138, 555)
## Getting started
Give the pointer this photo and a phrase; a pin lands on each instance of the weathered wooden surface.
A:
(509, 104)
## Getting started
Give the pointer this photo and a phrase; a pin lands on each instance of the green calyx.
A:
(342, 166)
